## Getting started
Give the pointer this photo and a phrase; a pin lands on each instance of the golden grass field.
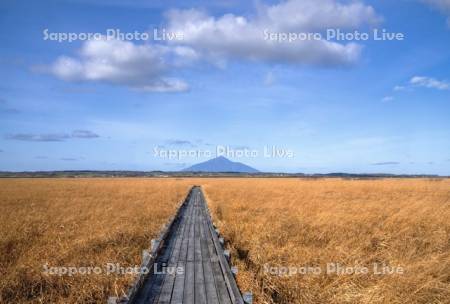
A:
(300, 222)
(77, 222)
(276, 222)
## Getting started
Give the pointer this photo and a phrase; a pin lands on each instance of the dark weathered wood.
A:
(222, 291)
(169, 281)
(191, 244)
(191, 240)
(189, 283)
(178, 289)
(161, 262)
(143, 290)
(197, 248)
(210, 286)
(200, 291)
(235, 294)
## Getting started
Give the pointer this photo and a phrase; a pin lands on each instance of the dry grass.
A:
(299, 222)
(296, 222)
(77, 222)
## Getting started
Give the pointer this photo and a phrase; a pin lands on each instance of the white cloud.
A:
(419, 81)
(429, 82)
(220, 39)
(237, 37)
(387, 99)
(141, 67)
(313, 15)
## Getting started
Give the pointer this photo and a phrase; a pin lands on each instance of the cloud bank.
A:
(238, 37)
(429, 82)
(423, 82)
(219, 39)
(121, 62)
(52, 137)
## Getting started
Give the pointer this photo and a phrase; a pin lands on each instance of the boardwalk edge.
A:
(149, 256)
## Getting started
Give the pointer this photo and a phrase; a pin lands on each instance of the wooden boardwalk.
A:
(190, 266)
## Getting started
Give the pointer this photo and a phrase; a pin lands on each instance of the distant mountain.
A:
(221, 164)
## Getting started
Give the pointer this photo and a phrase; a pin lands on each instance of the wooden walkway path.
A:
(190, 265)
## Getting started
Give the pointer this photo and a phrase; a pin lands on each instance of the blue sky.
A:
(352, 106)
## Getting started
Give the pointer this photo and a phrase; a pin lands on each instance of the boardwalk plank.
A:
(200, 292)
(169, 281)
(178, 289)
(210, 287)
(192, 245)
(222, 291)
(189, 284)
